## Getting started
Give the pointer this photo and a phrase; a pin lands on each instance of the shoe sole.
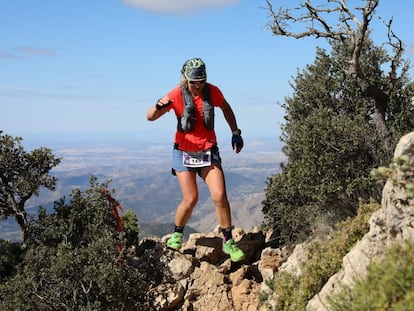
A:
(240, 259)
(174, 249)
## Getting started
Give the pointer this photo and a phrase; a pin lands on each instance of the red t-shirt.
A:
(199, 138)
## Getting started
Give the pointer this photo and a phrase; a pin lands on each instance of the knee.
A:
(190, 201)
(219, 199)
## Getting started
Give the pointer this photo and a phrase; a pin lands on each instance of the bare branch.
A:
(348, 15)
(314, 20)
(312, 17)
(352, 30)
(86, 290)
(397, 46)
(359, 34)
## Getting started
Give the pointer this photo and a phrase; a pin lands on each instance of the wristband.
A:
(237, 132)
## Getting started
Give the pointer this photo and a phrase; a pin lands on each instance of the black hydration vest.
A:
(187, 119)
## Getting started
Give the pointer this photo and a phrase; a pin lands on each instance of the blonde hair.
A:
(183, 81)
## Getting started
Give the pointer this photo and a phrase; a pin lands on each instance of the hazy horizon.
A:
(157, 136)
(138, 164)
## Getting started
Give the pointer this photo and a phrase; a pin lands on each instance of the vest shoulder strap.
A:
(187, 119)
(188, 99)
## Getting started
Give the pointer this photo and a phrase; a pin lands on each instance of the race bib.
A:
(197, 159)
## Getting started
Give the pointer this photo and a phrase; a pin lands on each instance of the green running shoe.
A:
(231, 248)
(175, 241)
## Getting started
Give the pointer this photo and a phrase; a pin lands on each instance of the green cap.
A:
(194, 70)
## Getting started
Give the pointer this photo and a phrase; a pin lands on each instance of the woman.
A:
(195, 149)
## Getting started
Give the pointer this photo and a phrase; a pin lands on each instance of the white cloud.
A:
(178, 6)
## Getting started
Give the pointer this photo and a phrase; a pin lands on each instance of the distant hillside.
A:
(141, 176)
(246, 213)
(9, 230)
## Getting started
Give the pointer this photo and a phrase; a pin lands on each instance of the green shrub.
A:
(324, 259)
(131, 228)
(11, 254)
(71, 263)
(389, 284)
(400, 172)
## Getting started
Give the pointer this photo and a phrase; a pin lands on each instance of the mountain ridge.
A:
(141, 178)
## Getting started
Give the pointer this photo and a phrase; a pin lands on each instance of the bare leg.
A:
(214, 178)
(189, 190)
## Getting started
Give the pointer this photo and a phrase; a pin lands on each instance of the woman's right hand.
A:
(163, 102)
(158, 109)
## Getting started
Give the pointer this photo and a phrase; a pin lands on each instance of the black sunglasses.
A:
(195, 82)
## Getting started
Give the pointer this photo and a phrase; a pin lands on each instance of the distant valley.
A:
(141, 176)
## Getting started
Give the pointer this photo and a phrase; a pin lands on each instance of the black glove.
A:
(237, 140)
(159, 107)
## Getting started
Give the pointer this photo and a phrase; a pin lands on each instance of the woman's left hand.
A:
(237, 142)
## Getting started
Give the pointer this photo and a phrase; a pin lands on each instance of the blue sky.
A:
(95, 66)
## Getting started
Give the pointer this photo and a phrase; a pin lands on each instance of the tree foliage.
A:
(22, 174)
(332, 133)
(131, 228)
(71, 263)
(11, 255)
